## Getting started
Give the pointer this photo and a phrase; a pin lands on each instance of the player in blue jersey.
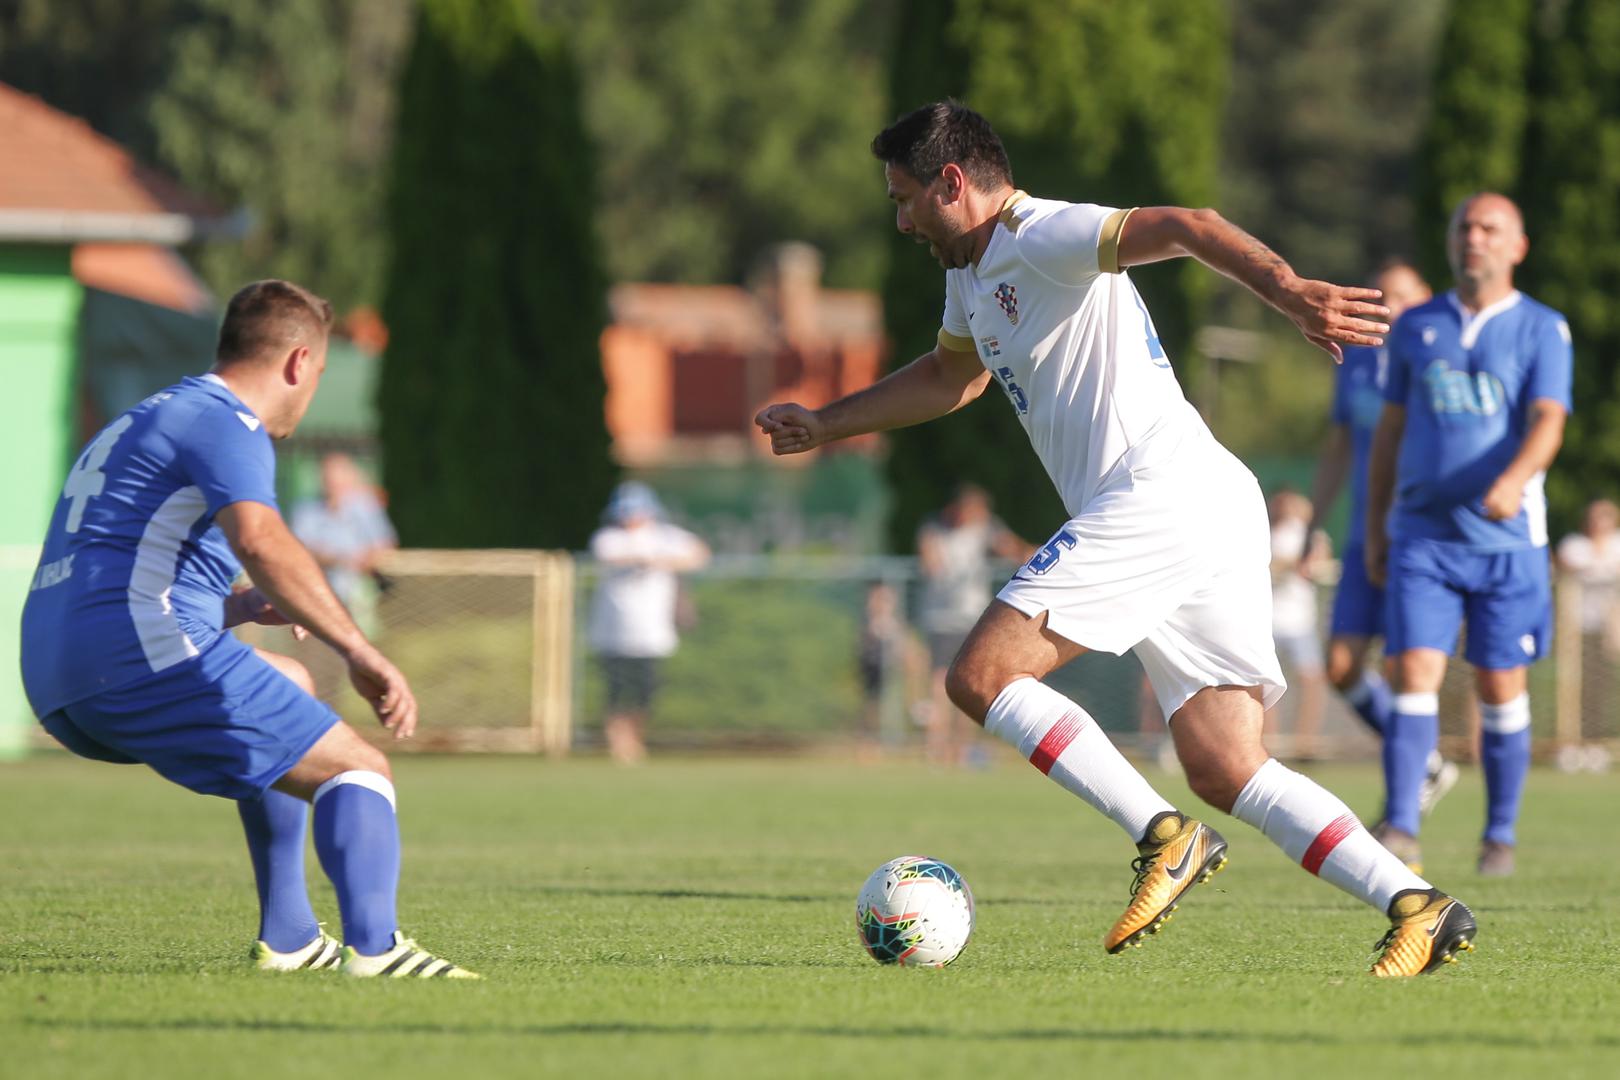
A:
(126, 657)
(1475, 403)
(1358, 604)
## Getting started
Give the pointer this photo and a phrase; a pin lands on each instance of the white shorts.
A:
(1172, 563)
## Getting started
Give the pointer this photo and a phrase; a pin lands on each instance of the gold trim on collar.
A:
(1006, 208)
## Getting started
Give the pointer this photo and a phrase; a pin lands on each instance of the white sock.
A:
(1064, 742)
(1320, 833)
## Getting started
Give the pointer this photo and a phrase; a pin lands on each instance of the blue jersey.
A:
(134, 573)
(1358, 401)
(1467, 383)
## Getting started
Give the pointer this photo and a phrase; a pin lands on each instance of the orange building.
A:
(688, 366)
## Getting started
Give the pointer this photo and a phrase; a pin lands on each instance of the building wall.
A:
(39, 314)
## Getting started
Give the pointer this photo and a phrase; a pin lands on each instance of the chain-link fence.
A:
(485, 638)
(778, 653)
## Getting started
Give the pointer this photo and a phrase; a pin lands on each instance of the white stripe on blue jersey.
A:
(151, 582)
(133, 574)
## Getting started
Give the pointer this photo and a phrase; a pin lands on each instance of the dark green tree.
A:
(99, 60)
(1327, 101)
(1096, 102)
(725, 126)
(282, 110)
(1478, 117)
(1570, 189)
(491, 401)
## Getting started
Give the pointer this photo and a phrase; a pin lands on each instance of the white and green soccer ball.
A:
(914, 911)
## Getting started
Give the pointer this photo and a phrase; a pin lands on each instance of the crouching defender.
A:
(1166, 552)
(125, 657)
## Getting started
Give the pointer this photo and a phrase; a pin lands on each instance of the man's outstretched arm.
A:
(285, 572)
(1330, 316)
(930, 386)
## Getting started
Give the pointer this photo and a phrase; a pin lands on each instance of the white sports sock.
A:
(1061, 740)
(1320, 833)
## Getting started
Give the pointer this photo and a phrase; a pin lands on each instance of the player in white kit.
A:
(1166, 551)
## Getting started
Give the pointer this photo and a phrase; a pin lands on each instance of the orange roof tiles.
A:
(55, 164)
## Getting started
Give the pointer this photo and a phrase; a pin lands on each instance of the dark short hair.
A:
(925, 140)
(269, 316)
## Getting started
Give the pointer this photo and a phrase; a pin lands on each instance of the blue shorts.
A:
(225, 723)
(1358, 605)
(1504, 595)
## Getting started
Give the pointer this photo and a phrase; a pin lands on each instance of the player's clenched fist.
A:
(792, 427)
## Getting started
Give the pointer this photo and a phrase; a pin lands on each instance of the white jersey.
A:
(1060, 326)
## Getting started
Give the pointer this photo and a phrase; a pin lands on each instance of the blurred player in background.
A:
(125, 656)
(633, 614)
(1358, 604)
(1592, 557)
(1166, 551)
(1477, 393)
(954, 548)
(1296, 549)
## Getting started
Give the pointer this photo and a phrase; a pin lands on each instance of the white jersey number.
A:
(87, 479)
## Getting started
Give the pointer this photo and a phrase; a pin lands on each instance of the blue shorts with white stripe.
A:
(224, 723)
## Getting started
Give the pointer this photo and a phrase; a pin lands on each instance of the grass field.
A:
(694, 918)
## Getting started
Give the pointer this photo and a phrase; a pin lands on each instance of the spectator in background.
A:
(632, 621)
(953, 549)
(1592, 556)
(1295, 550)
(881, 660)
(347, 530)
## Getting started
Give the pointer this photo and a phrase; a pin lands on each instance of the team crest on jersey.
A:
(1007, 297)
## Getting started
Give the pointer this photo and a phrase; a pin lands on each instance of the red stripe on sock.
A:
(1057, 740)
(1328, 839)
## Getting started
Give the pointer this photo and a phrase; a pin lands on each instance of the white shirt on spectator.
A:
(1598, 571)
(633, 611)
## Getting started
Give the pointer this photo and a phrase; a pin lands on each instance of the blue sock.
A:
(1504, 743)
(1372, 700)
(274, 824)
(357, 839)
(1411, 732)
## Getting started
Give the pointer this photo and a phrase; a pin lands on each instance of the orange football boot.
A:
(1176, 854)
(1430, 930)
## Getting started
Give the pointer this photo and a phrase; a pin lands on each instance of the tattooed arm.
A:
(1328, 315)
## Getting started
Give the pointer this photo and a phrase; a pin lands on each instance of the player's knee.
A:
(1342, 671)
(346, 751)
(972, 685)
(368, 758)
(292, 669)
(300, 676)
(1214, 783)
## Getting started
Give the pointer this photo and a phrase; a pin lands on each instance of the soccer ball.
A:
(914, 911)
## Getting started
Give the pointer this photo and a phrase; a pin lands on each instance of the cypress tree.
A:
(1571, 195)
(491, 400)
(1097, 102)
(1478, 117)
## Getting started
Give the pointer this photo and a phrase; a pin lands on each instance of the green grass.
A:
(695, 918)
